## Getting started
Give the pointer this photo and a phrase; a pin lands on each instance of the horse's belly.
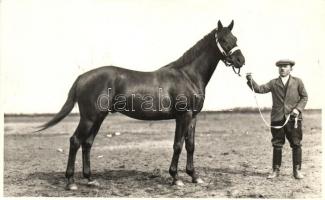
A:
(148, 115)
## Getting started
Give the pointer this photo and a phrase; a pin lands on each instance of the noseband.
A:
(226, 56)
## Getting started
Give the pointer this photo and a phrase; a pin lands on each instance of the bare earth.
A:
(233, 157)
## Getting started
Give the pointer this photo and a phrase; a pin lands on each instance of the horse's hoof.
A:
(198, 181)
(93, 183)
(178, 183)
(72, 186)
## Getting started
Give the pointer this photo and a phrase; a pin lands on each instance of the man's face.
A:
(285, 70)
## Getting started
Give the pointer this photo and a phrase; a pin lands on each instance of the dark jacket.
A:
(284, 98)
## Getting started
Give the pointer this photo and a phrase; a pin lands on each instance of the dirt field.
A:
(233, 157)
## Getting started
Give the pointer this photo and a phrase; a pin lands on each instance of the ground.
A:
(232, 155)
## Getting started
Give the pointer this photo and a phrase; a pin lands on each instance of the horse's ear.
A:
(219, 25)
(231, 25)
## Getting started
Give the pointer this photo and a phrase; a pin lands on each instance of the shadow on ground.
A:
(122, 182)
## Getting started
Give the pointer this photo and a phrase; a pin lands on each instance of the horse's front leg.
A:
(182, 123)
(190, 146)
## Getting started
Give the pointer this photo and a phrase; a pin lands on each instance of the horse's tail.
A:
(65, 110)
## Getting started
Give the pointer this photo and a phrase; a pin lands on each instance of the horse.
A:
(174, 91)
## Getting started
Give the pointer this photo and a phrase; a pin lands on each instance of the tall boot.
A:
(296, 162)
(276, 163)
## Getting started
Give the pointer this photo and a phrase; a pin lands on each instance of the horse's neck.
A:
(202, 68)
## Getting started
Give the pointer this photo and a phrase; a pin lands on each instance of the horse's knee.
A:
(178, 148)
(189, 146)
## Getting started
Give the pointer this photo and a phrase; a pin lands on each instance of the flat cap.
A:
(285, 62)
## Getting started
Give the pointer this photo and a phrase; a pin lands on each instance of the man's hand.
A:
(249, 77)
(295, 112)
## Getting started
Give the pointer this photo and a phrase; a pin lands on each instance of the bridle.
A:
(226, 55)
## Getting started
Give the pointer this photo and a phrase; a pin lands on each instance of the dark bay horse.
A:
(175, 91)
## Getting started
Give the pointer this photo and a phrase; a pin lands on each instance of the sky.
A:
(46, 44)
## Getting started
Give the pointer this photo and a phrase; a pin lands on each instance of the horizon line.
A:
(237, 109)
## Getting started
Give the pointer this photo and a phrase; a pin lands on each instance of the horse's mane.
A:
(194, 51)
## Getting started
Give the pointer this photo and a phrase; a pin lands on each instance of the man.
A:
(289, 98)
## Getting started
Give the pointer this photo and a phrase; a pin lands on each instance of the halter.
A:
(227, 55)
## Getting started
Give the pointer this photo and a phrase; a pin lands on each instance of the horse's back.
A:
(93, 83)
(108, 75)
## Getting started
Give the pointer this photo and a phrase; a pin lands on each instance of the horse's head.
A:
(227, 45)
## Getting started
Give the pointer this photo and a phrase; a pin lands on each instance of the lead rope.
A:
(259, 109)
(223, 52)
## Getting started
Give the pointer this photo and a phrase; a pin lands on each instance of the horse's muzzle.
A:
(237, 59)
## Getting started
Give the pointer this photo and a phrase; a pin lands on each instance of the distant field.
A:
(233, 156)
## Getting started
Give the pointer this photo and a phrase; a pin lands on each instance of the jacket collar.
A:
(290, 82)
(279, 82)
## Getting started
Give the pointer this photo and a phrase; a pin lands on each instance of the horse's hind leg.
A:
(80, 134)
(86, 147)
